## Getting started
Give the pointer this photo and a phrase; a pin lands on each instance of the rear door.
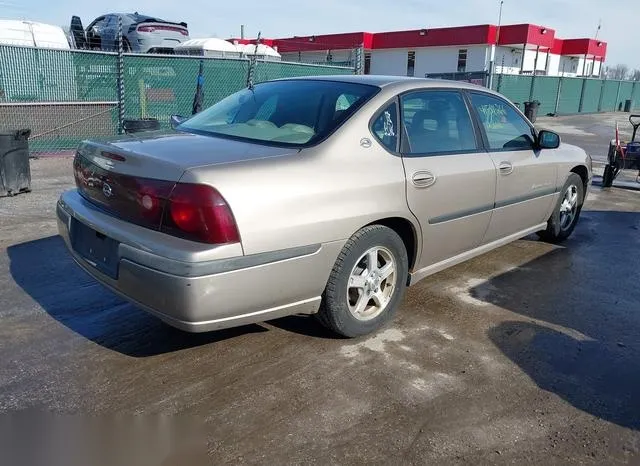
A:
(526, 177)
(451, 180)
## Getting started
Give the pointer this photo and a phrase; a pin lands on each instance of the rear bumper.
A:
(202, 295)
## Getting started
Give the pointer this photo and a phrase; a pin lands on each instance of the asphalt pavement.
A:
(528, 354)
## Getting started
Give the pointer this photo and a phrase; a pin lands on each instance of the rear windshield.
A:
(295, 112)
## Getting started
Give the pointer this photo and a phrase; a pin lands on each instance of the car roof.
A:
(390, 81)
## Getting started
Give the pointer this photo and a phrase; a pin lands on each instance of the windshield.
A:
(295, 112)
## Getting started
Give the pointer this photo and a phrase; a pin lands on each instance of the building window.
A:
(462, 60)
(411, 63)
(367, 62)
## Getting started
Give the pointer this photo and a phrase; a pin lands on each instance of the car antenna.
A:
(252, 63)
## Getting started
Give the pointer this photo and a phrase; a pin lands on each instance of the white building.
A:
(475, 50)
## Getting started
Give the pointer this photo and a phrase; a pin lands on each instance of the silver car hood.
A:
(167, 156)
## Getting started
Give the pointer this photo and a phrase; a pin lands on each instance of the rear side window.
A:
(385, 127)
(506, 129)
(437, 122)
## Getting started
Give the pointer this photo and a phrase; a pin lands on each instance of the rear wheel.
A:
(366, 284)
(567, 212)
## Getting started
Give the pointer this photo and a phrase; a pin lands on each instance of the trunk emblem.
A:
(107, 190)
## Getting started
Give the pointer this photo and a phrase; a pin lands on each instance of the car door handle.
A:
(505, 168)
(423, 179)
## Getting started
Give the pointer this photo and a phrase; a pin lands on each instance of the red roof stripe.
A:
(487, 34)
(325, 42)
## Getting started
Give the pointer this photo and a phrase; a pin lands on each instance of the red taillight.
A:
(191, 211)
(200, 212)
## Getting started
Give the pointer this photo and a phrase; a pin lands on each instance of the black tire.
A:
(334, 311)
(555, 232)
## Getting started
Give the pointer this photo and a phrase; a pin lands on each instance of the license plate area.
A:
(98, 250)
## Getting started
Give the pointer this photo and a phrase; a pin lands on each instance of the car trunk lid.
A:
(132, 177)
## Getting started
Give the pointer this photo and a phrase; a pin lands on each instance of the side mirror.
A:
(548, 139)
(176, 120)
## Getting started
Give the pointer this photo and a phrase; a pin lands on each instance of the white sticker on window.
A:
(388, 125)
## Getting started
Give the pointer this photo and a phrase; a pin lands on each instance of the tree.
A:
(635, 75)
(620, 71)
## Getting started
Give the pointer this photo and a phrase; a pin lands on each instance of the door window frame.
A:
(400, 127)
(404, 145)
(483, 131)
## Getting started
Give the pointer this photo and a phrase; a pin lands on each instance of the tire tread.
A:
(327, 316)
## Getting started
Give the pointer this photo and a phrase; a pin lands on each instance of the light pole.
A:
(495, 48)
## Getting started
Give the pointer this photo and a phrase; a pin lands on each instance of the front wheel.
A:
(567, 212)
(366, 284)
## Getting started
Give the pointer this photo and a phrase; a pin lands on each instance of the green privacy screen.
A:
(591, 97)
(562, 95)
(66, 96)
(544, 91)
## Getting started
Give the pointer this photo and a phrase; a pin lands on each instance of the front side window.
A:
(385, 127)
(437, 122)
(506, 129)
(289, 112)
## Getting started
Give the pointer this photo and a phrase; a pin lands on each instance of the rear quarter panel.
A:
(319, 195)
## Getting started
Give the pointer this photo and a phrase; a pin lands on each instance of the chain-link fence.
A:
(65, 96)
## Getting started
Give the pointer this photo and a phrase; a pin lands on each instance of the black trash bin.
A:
(627, 105)
(15, 172)
(140, 125)
(531, 110)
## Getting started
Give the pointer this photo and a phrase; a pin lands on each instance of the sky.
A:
(285, 18)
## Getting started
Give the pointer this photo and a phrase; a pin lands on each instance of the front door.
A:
(451, 180)
(526, 177)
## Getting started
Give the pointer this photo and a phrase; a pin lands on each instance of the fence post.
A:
(535, 72)
(584, 85)
(615, 106)
(252, 63)
(555, 110)
(533, 84)
(500, 75)
(604, 82)
(120, 78)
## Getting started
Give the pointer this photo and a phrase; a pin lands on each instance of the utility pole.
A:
(495, 48)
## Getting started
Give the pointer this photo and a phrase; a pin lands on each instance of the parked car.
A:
(141, 34)
(323, 195)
